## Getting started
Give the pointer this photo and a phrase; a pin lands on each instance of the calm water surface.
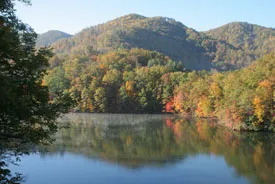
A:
(105, 148)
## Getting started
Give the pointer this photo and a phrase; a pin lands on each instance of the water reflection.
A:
(138, 141)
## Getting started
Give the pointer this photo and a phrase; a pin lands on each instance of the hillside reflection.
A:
(136, 141)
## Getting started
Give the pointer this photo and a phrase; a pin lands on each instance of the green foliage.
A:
(56, 81)
(100, 99)
(26, 114)
(25, 110)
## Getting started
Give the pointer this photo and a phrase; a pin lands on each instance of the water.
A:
(105, 148)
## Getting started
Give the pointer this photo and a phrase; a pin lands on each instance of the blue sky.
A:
(72, 16)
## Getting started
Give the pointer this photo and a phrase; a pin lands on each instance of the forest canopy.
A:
(142, 81)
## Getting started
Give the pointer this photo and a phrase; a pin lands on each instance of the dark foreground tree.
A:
(26, 114)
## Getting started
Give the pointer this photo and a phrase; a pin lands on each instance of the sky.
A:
(72, 16)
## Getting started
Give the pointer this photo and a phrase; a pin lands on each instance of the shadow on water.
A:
(137, 141)
(11, 150)
(14, 146)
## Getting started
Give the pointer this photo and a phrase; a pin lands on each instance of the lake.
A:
(123, 148)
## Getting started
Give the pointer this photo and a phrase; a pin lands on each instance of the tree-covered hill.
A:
(231, 46)
(50, 37)
(196, 50)
(248, 37)
(252, 41)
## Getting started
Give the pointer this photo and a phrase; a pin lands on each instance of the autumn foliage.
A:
(142, 81)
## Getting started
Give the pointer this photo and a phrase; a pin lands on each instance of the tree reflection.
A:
(136, 140)
(13, 148)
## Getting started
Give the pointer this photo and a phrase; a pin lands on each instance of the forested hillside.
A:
(142, 81)
(232, 46)
(251, 38)
(50, 37)
(254, 41)
(165, 35)
(135, 64)
(122, 81)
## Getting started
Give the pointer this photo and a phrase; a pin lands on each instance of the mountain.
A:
(251, 40)
(245, 36)
(165, 35)
(50, 37)
(231, 46)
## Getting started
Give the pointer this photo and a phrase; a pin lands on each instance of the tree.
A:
(26, 114)
(86, 101)
(263, 100)
(57, 81)
(204, 107)
(100, 99)
(24, 100)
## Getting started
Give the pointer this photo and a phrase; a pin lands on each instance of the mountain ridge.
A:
(197, 50)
